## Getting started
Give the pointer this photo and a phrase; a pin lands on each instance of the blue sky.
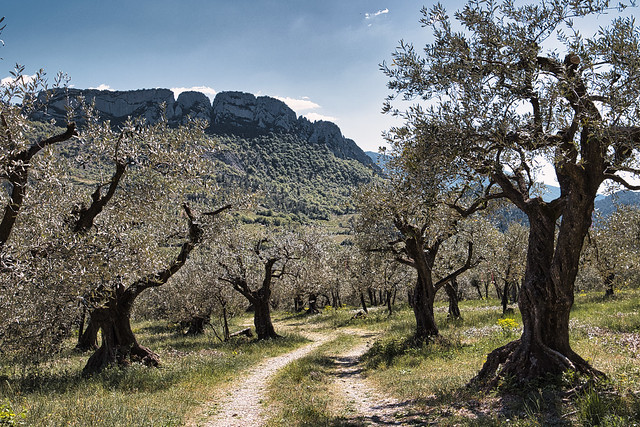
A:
(321, 57)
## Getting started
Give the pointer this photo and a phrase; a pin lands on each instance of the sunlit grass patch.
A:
(191, 373)
(309, 399)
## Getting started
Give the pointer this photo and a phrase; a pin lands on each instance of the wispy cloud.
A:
(297, 105)
(210, 92)
(314, 117)
(102, 87)
(378, 13)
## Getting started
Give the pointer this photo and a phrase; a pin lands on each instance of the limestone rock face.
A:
(235, 113)
(110, 105)
(244, 111)
(191, 104)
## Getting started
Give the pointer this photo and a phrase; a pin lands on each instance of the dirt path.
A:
(365, 406)
(241, 405)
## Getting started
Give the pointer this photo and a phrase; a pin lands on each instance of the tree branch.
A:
(18, 177)
(621, 181)
(161, 277)
(458, 272)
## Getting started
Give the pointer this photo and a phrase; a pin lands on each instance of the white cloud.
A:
(102, 87)
(297, 105)
(314, 117)
(210, 92)
(378, 13)
(10, 79)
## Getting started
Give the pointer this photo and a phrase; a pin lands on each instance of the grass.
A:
(310, 399)
(433, 376)
(193, 370)
(436, 375)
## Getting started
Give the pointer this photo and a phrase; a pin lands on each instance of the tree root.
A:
(122, 356)
(520, 363)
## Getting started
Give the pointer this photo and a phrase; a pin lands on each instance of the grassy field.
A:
(192, 370)
(433, 377)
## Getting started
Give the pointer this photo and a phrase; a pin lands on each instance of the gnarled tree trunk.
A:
(546, 298)
(119, 344)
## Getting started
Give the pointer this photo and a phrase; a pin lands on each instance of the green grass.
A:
(192, 370)
(310, 398)
(436, 375)
(433, 376)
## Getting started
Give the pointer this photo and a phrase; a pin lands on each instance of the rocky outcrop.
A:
(115, 106)
(235, 113)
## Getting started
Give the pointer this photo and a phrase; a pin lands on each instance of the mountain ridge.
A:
(231, 113)
(299, 166)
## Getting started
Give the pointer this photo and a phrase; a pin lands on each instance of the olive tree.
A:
(501, 89)
(249, 262)
(416, 225)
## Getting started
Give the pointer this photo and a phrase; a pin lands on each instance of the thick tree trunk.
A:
(423, 311)
(545, 302)
(119, 344)
(262, 320)
(88, 340)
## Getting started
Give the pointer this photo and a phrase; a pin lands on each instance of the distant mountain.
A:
(232, 113)
(377, 158)
(301, 167)
(605, 206)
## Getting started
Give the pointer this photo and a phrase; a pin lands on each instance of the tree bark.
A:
(452, 292)
(225, 323)
(505, 297)
(423, 311)
(119, 344)
(88, 340)
(18, 175)
(363, 303)
(313, 304)
(262, 320)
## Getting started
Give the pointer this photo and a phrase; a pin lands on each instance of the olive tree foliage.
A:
(195, 297)
(33, 316)
(612, 251)
(501, 88)
(253, 261)
(309, 274)
(90, 214)
(504, 259)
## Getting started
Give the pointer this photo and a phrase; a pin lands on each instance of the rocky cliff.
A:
(232, 113)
